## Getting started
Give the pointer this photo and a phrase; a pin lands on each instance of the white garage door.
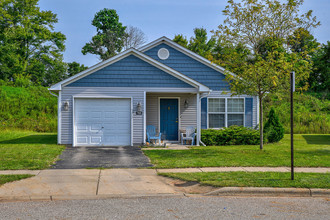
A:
(102, 122)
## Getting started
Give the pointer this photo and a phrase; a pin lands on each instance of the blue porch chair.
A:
(152, 135)
(189, 135)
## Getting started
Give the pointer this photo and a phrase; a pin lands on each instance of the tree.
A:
(302, 41)
(263, 27)
(273, 128)
(199, 44)
(180, 39)
(109, 39)
(134, 37)
(29, 46)
(319, 79)
(74, 68)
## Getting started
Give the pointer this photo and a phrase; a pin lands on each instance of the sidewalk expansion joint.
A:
(98, 183)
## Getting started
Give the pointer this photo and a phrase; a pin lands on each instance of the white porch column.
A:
(198, 119)
(59, 118)
(144, 117)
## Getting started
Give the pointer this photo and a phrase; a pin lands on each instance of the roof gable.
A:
(130, 71)
(117, 58)
(188, 63)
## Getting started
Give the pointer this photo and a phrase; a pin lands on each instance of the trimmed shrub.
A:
(273, 129)
(234, 135)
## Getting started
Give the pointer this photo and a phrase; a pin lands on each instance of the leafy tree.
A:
(319, 79)
(180, 39)
(109, 39)
(230, 56)
(29, 46)
(302, 41)
(263, 27)
(134, 37)
(273, 129)
(74, 68)
(199, 44)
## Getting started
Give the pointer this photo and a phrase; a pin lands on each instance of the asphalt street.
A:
(171, 208)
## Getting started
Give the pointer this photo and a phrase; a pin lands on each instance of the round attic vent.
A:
(163, 53)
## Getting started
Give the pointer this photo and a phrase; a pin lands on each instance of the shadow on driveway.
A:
(102, 157)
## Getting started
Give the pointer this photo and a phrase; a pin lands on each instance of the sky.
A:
(156, 18)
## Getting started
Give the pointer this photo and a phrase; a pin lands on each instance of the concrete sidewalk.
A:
(246, 169)
(71, 183)
(183, 170)
(59, 184)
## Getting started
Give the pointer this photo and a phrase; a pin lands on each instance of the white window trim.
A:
(226, 111)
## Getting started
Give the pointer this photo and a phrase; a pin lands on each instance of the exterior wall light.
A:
(139, 109)
(66, 106)
(186, 104)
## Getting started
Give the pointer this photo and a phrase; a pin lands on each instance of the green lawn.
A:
(27, 150)
(310, 151)
(10, 178)
(256, 179)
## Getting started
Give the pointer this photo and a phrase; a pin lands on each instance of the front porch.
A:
(171, 114)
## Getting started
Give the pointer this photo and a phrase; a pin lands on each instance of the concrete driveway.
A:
(102, 157)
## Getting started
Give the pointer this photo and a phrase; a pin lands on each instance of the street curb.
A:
(269, 191)
(81, 197)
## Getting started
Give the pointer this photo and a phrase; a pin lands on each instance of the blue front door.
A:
(169, 119)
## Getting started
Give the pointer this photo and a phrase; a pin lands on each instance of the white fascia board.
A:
(92, 69)
(185, 51)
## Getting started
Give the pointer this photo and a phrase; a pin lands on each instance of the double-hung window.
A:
(217, 112)
(224, 112)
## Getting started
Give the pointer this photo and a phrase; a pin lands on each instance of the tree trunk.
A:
(261, 126)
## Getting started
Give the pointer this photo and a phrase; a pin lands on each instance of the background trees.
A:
(264, 28)
(110, 33)
(199, 43)
(134, 37)
(29, 46)
(112, 36)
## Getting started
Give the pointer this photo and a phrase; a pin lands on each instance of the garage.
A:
(102, 122)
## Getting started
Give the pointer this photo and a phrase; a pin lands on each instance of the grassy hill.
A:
(31, 108)
(34, 109)
(311, 115)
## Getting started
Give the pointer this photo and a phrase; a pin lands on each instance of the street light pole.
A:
(292, 79)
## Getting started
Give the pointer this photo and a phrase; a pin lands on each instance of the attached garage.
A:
(102, 122)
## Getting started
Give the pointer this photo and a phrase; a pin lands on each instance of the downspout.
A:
(200, 101)
(52, 93)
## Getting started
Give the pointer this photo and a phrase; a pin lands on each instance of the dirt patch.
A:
(188, 187)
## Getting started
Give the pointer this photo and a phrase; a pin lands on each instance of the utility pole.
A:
(292, 79)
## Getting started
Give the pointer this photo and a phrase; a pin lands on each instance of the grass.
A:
(310, 151)
(31, 108)
(27, 150)
(256, 179)
(10, 178)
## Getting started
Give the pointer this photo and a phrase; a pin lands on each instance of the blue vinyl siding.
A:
(204, 113)
(191, 68)
(130, 72)
(248, 112)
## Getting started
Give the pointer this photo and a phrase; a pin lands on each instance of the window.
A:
(224, 112)
(217, 109)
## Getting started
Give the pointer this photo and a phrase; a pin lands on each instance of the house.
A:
(161, 84)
